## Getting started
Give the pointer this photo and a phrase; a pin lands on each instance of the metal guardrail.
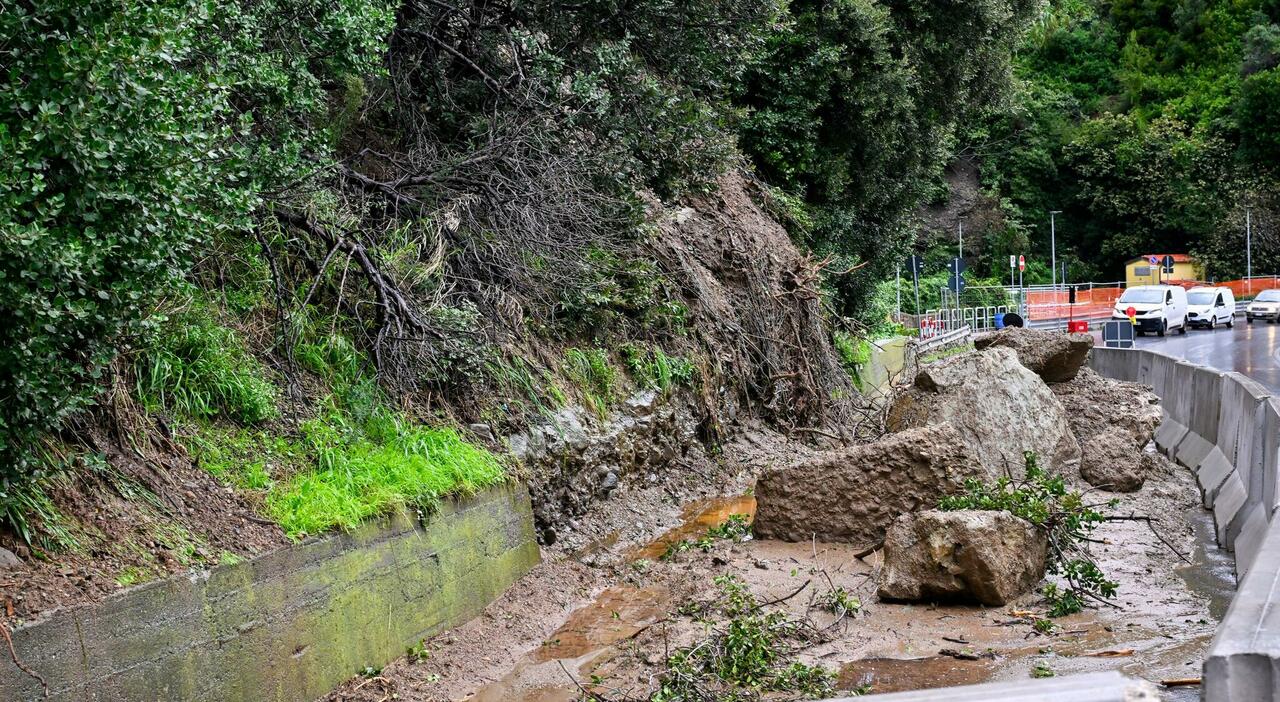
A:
(941, 341)
(940, 321)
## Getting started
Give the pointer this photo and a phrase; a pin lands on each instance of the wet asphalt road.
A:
(1249, 349)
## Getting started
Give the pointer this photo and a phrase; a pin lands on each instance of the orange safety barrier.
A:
(1090, 302)
(1251, 287)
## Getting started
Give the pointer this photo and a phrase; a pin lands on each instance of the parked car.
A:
(1158, 308)
(1209, 306)
(1265, 306)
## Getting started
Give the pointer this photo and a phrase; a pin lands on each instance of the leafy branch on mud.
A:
(747, 657)
(1044, 500)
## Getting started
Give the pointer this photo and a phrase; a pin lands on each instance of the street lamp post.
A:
(1248, 248)
(1053, 248)
(960, 222)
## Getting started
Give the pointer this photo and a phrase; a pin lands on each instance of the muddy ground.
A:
(600, 614)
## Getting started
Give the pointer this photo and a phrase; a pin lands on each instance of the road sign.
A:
(1168, 264)
(1154, 260)
(1013, 260)
(1022, 263)
(1117, 335)
(956, 284)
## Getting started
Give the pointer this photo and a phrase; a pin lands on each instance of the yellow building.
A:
(1139, 271)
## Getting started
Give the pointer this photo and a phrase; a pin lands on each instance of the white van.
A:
(1158, 308)
(1208, 307)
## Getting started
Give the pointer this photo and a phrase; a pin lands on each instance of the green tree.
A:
(133, 130)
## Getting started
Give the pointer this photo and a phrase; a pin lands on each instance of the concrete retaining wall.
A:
(289, 625)
(1226, 428)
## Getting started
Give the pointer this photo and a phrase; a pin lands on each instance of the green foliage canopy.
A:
(132, 130)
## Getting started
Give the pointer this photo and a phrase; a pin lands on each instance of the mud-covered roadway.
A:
(601, 613)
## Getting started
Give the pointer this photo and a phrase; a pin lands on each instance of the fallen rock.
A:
(8, 560)
(999, 408)
(1112, 462)
(989, 558)
(1054, 356)
(853, 495)
(1114, 421)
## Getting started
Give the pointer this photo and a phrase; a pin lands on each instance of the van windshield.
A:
(1268, 296)
(1204, 297)
(1144, 295)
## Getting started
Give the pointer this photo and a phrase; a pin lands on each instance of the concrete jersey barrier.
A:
(1226, 428)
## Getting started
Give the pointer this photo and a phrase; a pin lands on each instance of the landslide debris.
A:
(1114, 421)
(1053, 356)
(853, 495)
(984, 557)
(999, 408)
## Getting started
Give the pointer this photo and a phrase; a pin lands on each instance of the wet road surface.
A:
(1249, 349)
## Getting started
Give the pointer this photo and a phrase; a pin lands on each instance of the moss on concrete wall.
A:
(289, 625)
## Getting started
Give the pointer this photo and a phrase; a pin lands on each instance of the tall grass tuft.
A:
(199, 368)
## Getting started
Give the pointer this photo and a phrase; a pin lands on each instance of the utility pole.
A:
(960, 221)
(899, 317)
(1053, 247)
(1248, 248)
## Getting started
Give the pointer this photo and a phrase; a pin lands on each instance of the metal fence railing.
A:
(936, 322)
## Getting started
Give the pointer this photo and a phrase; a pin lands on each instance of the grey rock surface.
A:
(576, 458)
(989, 558)
(1112, 461)
(999, 408)
(8, 560)
(1054, 356)
(853, 495)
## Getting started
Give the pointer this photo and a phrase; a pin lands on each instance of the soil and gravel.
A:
(135, 516)
(603, 614)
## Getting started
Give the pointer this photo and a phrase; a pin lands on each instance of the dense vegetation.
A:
(1151, 124)
(203, 195)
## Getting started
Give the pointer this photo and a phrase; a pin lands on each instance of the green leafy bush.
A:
(744, 658)
(651, 367)
(132, 130)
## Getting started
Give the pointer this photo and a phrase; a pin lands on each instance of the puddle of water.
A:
(1214, 572)
(696, 518)
(906, 674)
(617, 614)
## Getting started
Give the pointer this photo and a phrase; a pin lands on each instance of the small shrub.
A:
(839, 602)
(854, 354)
(651, 367)
(622, 293)
(746, 657)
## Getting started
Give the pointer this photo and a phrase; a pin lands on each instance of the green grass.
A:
(356, 458)
(340, 472)
(591, 371)
(358, 475)
(651, 367)
(196, 367)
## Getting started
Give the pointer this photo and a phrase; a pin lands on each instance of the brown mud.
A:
(602, 619)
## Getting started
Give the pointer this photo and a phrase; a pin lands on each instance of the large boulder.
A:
(1114, 421)
(969, 556)
(1111, 462)
(1054, 356)
(999, 407)
(853, 495)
